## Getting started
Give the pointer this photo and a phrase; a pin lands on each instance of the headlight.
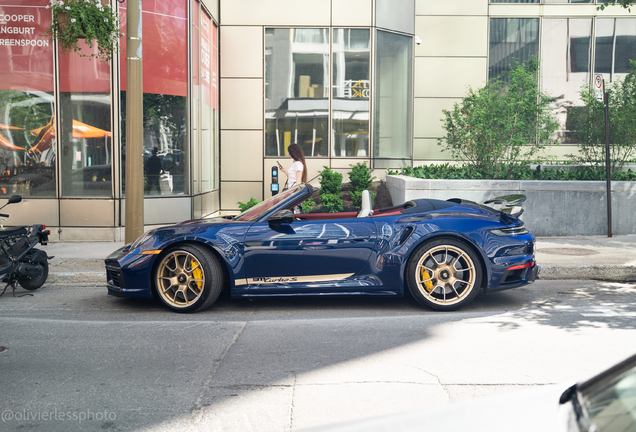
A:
(510, 232)
(143, 239)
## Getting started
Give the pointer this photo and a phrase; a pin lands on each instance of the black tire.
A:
(35, 283)
(444, 274)
(188, 279)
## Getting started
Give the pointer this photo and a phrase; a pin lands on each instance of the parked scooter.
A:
(20, 261)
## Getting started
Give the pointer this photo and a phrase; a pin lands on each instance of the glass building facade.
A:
(229, 85)
(466, 43)
(318, 93)
(62, 131)
(571, 51)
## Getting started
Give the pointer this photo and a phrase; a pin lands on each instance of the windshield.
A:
(253, 214)
(614, 408)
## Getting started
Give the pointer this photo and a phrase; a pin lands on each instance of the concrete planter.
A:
(553, 208)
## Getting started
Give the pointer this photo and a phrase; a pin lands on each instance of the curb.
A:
(77, 278)
(611, 273)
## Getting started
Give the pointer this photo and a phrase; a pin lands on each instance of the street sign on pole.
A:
(599, 87)
(602, 96)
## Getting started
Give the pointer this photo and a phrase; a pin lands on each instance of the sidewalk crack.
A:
(291, 411)
(439, 382)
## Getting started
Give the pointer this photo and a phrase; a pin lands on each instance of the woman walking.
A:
(298, 170)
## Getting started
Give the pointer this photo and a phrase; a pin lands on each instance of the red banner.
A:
(26, 55)
(164, 45)
(84, 74)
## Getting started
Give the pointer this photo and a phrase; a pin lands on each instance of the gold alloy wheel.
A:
(445, 274)
(180, 279)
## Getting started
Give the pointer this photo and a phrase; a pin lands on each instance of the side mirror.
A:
(13, 199)
(282, 217)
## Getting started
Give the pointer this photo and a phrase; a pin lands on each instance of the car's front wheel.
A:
(444, 274)
(188, 279)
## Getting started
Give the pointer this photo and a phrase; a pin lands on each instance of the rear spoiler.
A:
(509, 204)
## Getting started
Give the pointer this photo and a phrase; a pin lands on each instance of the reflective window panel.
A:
(85, 136)
(204, 104)
(208, 133)
(351, 91)
(615, 46)
(165, 76)
(393, 92)
(566, 57)
(511, 39)
(195, 103)
(297, 90)
(215, 107)
(27, 105)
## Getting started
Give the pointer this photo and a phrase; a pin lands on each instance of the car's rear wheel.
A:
(188, 279)
(444, 274)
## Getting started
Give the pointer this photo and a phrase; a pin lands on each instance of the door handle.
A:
(360, 238)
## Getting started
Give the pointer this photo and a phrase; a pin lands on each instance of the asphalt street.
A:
(81, 360)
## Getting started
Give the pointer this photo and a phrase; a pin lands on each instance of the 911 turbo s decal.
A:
(292, 279)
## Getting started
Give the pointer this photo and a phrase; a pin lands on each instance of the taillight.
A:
(510, 232)
(522, 266)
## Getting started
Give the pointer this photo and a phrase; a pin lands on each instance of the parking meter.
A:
(274, 186)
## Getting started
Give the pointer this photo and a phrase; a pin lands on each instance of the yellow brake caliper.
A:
(198, 274)
(426, 278)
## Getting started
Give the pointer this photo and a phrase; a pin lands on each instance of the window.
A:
(27, 106)
(351, 90)
(511, 39)
(85, 137)
(307, 74)
(208, 107)
(393, 108)
(165, 97)
(566, 57)
(297, 74)
(615, 46)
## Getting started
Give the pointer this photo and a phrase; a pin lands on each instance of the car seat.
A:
(366, 207)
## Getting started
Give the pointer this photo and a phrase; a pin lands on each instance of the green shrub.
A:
(332, 203)
(359, 180)
(308, 205)
(501, 124)
(331, 190)
(244, 206)
(521, 172)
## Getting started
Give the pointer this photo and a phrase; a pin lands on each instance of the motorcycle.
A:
(20, 261)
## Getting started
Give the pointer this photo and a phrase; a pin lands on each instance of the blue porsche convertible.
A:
(443, 252)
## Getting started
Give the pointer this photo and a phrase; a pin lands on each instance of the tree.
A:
(502, 124)
(588, 123)
(622, 3)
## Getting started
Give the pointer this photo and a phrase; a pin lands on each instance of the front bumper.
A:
(128, 275)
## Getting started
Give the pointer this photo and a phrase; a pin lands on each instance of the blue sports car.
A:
(443, 252)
